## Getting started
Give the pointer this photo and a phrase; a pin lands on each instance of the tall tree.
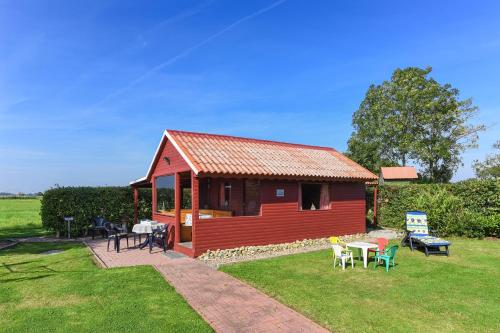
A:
(490, 167)
(413, 118)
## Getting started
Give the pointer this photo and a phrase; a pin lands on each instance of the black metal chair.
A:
(116, 234)
(160, 238)
(98, 225)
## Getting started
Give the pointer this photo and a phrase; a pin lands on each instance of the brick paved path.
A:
(126, 257)
(226, 303)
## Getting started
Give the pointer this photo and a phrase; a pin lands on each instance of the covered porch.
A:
(183, 198)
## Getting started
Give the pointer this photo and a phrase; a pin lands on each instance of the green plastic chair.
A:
(388, 255)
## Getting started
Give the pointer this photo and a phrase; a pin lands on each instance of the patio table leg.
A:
(150, 243)
(146, 242)
(365, 257)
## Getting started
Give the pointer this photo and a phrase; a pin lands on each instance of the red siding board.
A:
(177, 162)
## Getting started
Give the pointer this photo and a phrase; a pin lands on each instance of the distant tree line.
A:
(20, 195)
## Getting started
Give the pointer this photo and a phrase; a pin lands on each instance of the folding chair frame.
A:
(415, 243)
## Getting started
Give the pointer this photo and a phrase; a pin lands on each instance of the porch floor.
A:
(127, 257)
(226, 303)
(189, 245)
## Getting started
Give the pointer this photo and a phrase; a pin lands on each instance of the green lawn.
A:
(460, 293)
(20, 218)
(66, 292)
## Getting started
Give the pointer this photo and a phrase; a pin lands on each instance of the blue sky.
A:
(86, 88)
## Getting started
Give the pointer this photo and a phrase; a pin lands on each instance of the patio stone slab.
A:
(174, 255)
(383, 233)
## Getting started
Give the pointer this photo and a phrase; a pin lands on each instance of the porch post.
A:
(195, 209)
(244, 196)
(136, 204)
(375, 205)
(153, 196)
(177, 206)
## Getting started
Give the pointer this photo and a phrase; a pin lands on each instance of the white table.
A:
(147, 227)
(363, 246)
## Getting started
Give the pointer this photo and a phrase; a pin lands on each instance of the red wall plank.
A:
(177, 163)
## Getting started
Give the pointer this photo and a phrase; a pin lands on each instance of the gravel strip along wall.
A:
(216, 258)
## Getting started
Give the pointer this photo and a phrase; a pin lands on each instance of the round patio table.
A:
(147, 227)
(363, 247)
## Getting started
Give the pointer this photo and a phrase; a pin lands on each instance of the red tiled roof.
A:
(399, 173)
(222, 154)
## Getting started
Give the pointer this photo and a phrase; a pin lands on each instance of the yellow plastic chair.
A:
(334, 240)
(339, 252)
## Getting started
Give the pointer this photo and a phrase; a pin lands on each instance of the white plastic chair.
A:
(342, 255)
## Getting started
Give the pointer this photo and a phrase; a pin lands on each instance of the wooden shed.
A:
(397, 175)
(219, 191)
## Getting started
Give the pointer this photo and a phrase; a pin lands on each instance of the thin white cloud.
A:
(5, 106)
(179, 17)
(184, 53)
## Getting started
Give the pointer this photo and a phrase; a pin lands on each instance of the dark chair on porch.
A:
(116, 234)
(97, 224)
(160, 238)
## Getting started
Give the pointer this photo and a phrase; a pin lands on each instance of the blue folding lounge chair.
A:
(418, 235)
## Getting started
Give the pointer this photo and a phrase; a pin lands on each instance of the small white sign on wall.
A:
(280, 192)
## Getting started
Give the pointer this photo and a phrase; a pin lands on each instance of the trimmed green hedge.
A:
(469, 208)
(85, 203)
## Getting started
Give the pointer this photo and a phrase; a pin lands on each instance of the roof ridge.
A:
(399, 167)
(253, 139)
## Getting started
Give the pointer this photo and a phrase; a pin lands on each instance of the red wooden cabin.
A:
(219, 191)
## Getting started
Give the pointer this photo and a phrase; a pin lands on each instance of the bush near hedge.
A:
(116, 204)
(469, 208)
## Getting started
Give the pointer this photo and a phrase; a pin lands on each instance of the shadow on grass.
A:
(9, 266)
(35, 269)
(38, 248)
(33, 272)
(25, 231)
(26, 278)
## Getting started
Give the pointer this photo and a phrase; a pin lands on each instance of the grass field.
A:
(20, 218)
(67, 292)
(460, 293)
